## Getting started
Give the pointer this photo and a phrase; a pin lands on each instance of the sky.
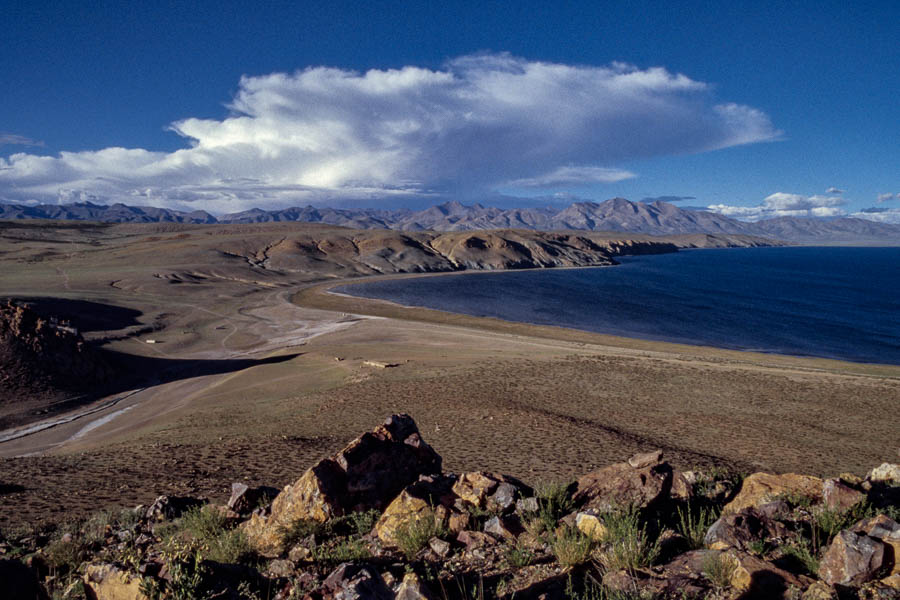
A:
(752, 109)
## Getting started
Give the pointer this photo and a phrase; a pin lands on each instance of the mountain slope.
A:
(616, 215)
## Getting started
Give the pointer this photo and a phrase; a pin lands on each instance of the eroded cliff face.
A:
(40, 356)
(347, 252)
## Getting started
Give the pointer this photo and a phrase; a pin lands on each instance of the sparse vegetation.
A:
(554, 502)
(413, 535)
(519, 555)
(627, 545)
(719, 569)
(571, 547)
(693, 523)
(802, 555)
(219, 543)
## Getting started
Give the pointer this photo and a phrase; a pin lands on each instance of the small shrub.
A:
(719, 569)
(300, 530)
(519, 556)
(758, 547)
(65, 556)
(628, 545)
(414, 534)
(571, 547)
(802, 555)
(344, 551)
(210, 529)
(554, 502)
(363, 522)
(694, 527)
(230, 546)
(203, 523)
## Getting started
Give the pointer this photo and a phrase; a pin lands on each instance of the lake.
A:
(828, 302)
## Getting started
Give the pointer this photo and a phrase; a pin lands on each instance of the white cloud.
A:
(834, 190)
(881, 215)
(12, 139)
(781, 204)
(573, 176)
(885, 197)
(482, 121)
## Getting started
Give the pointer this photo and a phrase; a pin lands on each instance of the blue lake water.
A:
(829, 302)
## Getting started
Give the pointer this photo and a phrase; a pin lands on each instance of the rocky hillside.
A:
(616, 214)
(42, 357)
(380, 519)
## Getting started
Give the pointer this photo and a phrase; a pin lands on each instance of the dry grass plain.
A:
(253, 382)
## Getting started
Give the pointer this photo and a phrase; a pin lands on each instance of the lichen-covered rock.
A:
(108, 582)
(819, 590)
(491, 491)
(757, 578)
(621, 484)
(368, 473)
(428, 498)
(412, 588)
(851, 559)
(760, 488)
(886, 473)
(590, 524)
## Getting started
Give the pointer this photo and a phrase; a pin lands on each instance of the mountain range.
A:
(617, 214)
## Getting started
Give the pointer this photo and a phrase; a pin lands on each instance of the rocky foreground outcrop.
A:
(380, 519)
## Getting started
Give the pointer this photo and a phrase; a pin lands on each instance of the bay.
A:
(832, 302)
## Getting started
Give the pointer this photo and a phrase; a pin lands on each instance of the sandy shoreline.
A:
(323, 297)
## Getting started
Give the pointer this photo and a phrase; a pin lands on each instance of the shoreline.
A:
(321, 296)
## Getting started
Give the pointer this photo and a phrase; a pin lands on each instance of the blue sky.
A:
(757, 110)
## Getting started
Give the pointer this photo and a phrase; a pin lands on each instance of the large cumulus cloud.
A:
(781, 204)
(479, 123)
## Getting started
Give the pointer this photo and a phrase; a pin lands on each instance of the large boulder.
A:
(108, 582)
(887, 531)
(368, 473)
(641, 481)
(759, 488)
(852, 559)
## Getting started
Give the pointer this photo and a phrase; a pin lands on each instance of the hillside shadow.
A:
(85, 315)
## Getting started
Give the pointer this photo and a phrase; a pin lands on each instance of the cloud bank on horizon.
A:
(481, 123)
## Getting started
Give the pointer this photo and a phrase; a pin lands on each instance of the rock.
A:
(757, 578)
(892, 581)
(108, 582)
(887, 531)
(589, 523)
(839, 496)
(459, 521)
(494, 492)
(621, 484)
(819, 590)
(244, 498)
(851, 559)
(412, 588)
(169, 507)
(507, 528)
(281, 568)
(368, 473)
(475, 539)
(19, 582)
(879, 590)
(420, 500)
(527, 505)
(682, 489)
(760, 488)
(440, 547)
(357, 582)
(739, 530)
(299, 553)
(647, 459)
(887, 474)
